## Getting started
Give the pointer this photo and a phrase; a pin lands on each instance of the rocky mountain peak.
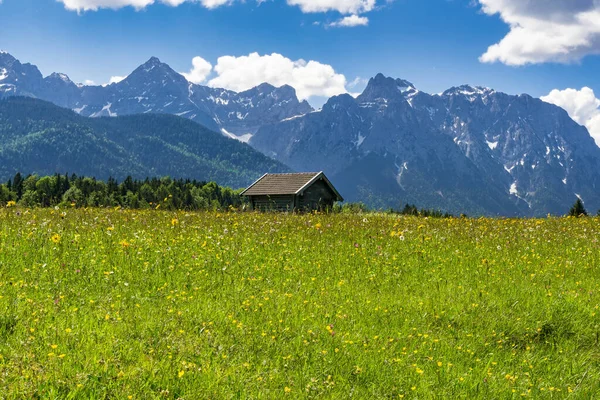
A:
(6, 58)
(468, 91)
(265, 87)
(57, 76)
(382, 87)
(154, 67)
(339, 102)
(286, 91)
(152, 61)
(154, 73)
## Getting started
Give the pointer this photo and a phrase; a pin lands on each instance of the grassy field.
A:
(145, 304)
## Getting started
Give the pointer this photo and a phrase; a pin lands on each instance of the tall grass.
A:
(146, 304)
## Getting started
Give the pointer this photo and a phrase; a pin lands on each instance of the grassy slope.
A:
(175, 305)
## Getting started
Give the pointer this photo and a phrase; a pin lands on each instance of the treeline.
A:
(411, 209)
(408, 209)
(80, 191)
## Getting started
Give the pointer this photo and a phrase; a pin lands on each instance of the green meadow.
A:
(121, 304)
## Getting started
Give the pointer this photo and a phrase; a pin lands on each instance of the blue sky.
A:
(435, 44)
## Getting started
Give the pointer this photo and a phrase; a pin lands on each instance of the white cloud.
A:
(582, 105)
(210, 4)
(308, 78)
(116, 79)
(544, 30)
(350, 21)
(200, 70)
(307, 6)
(341, 6)
(358, 81)
(89, 82)
(94, 5)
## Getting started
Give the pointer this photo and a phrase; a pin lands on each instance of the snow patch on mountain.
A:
(401, 170)
(80, 109)
(219, 100)
(360, 140)
(106, 111)
(492, 145)
(245, 138)
(515, 192)
(293, 117)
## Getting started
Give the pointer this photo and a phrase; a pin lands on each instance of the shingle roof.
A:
(273, 184)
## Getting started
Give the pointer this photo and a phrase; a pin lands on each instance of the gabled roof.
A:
(294, 183)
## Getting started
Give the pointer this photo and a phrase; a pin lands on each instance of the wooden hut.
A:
(304, 191)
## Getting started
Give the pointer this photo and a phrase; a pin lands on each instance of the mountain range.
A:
(156, 88)
(468, 149)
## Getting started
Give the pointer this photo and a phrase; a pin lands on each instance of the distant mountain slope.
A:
(156, 88)
(467, 150)
(39, 137)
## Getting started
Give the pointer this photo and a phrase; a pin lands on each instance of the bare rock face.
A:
(18, 79)
(156, 88)
(470, 149)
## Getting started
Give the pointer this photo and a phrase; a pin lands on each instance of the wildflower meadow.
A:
(122, 304)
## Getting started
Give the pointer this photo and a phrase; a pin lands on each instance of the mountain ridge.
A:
(468, 149)
(155, 87)
(510, 155)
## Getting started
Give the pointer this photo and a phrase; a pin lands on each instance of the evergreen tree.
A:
(18, 185)
(81, 191)
(578, 209)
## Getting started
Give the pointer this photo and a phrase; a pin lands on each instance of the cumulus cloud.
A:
(544, 31)
(350, 21)
(199, 72)
(341, 6)
(582, 105)
(210, 4)
(308, 78)
(89, 82)
(94, 5)
(116, 79)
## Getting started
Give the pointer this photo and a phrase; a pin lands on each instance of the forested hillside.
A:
(40, 138)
